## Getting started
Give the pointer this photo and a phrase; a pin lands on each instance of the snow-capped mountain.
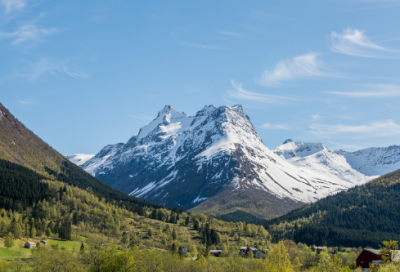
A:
(79, 159)
(359, 166)
(211, 159)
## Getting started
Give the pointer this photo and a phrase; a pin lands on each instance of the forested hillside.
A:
(71, 213)
(362, 216)
(21, 146)
(20, 187)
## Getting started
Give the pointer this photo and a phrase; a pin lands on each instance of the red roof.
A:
(31, 243)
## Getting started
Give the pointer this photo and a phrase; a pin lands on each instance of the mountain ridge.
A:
(199, 161)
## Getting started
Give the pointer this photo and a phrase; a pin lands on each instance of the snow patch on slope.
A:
(79, 159)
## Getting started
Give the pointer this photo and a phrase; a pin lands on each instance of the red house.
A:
(368, 256)
(216, 253)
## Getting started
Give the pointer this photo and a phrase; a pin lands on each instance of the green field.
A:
(18, 250)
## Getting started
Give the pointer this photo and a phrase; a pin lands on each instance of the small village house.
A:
(245, 250)
(43, 242)
(30, 245)
(216, 253)
(368, 256)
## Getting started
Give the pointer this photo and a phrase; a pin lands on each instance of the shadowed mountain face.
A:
(213, 162)
(21, 146)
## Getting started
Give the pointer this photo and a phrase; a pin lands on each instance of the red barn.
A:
(216, 253)
(368, 256)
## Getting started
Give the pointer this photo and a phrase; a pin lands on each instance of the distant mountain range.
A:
(215, 163)
(359, 217)
(364, 164)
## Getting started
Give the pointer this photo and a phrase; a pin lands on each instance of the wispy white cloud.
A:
(373, 91)
(242, 94)
(12, 5)
(307, 65)
(276, 126)
(316, 116)
(46, 66)
(374, 129)
(26, 33)
(202, 46)
(354, 42)
(25, 102)
(230, 33)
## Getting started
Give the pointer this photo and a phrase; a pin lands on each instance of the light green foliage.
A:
(48, 232)
(3, 265)
(386, 249)
(32, 233)
(278, 259)
(330, 263)
(47, 259)
(193, 250)
(9, 241)
(110, 260)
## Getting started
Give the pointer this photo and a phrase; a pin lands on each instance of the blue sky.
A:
(83, 74)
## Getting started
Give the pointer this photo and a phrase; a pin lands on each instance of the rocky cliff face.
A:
(208, 162)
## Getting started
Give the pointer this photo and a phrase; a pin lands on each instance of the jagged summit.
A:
(202, 161)
(290, 149)
(288, 141)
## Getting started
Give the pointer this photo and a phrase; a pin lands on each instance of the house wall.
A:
(365, 258)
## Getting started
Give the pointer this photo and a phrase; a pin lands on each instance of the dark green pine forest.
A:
(362, 216)
(21, 146)
(20, 187)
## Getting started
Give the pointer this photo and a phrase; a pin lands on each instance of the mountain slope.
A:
(21, 146)
(213, 162)
(362, 216)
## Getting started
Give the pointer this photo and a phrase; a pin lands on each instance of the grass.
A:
(18, 249)
(68, 245)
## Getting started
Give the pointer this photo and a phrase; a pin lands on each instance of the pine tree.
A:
(32, 233)
(209, 242)
(173, 248)
(82, 249)
(172, 219)
(180, 252)
(174, 236)
(9, 241)
(187, 221)
(48, 232)
(125, 238)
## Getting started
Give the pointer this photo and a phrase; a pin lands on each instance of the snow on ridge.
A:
(356, 167)
(79, 158)
(300, 171)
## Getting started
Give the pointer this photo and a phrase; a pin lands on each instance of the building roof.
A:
(252, 248)
(31, 243)
(375, 251)
(215, 251)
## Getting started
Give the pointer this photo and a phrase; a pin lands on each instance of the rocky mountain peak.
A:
(185, 161)
(288, 141)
